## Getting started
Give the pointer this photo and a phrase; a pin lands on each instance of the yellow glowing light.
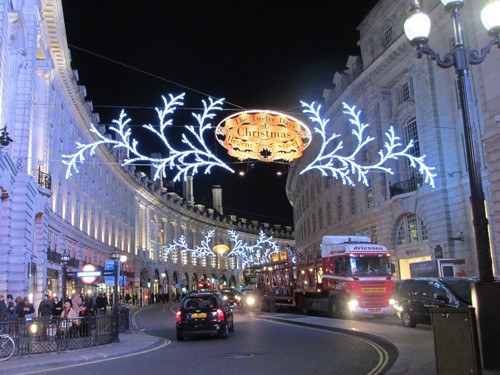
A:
(221, 249)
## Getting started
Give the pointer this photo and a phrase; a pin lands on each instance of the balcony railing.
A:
(406, 186)
(44, 180)
(53, 256)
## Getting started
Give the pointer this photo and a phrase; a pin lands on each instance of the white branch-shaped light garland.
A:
(185, 162)
(198, 156)
(331, 163)
(249, 254)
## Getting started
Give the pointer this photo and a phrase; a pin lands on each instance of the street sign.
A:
(108, 273)
(109, 266)
(70, 274)
(89, 274)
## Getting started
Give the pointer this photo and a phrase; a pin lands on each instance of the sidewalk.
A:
(129, 343)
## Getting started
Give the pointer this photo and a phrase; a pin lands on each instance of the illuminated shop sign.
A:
(263, 135)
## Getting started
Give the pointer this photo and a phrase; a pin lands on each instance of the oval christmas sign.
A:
(263, 135)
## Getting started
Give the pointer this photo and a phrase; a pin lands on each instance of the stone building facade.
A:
(102, 208)
(394, 88)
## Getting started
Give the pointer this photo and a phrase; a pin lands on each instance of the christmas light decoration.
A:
(338, 166)
(185, 162)
(249, 254)
(198, 156)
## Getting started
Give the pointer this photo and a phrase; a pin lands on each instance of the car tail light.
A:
(178, 316)
(220, 315)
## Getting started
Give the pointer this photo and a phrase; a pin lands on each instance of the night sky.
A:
(255, 54)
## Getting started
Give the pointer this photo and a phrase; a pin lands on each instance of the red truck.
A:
(353, 276)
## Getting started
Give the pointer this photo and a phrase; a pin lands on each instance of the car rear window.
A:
(200, 303)
(461, 288)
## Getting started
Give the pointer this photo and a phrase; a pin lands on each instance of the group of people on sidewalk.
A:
(18, 308)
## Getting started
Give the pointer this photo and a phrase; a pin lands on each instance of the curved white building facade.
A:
(43, 214)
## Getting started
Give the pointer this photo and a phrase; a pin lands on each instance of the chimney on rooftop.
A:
(187, 190)
(217, 198)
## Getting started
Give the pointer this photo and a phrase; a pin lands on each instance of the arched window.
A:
(411, 230)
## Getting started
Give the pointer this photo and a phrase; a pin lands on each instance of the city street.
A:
(260, 344)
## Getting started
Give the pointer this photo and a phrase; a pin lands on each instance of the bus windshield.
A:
(373, 265)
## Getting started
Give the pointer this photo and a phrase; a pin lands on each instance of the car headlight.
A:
(250, 300)
(352, 304)
(392, 301)
(224, 297)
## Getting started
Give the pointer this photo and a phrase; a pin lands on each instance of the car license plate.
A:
(375, 310)
(199, 315)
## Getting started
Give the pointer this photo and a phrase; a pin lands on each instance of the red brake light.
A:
(220, 315)
(178, 316)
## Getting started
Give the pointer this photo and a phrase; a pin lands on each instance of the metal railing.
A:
(406, 186)
(44, 180)
(45, 335)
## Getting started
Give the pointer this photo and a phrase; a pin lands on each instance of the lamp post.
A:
(116, 259)
(417, 28)
(64, 261)
(123, 259)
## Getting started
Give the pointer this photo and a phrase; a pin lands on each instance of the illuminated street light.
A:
(417, 29)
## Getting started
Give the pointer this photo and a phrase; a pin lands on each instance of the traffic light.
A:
(149, 283)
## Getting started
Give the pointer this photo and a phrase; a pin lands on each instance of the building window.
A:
(373, 233)
(354, 208)
(405, 91)
(329, 214)
(411, 230)
(369, 195)
(340, 209)
(320, 217)
(388, 34)
(411, 133)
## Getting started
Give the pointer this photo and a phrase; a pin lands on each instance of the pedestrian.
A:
(45, 307)
(100, 304)
(4, 308)
(77, 302)
(69, 326)
(85, 313)
(25, 309)
(57, 307)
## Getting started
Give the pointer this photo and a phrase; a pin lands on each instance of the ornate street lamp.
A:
(64, 261)
(417, 29)
(5, 140)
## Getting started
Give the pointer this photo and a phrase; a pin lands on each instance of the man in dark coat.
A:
(45, 307)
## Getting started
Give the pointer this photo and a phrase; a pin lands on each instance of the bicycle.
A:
(7, 346)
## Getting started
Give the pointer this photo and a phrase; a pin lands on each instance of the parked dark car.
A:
(417, 296)
(203, 313)
(231, 296)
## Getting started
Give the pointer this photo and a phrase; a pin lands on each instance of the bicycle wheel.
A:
(7, 347)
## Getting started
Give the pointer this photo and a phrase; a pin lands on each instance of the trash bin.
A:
(124, 318)
(455, 341)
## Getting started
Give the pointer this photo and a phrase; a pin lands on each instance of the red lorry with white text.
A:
(353, 276)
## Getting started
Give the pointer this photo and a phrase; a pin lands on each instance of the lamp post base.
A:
(486, 300)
